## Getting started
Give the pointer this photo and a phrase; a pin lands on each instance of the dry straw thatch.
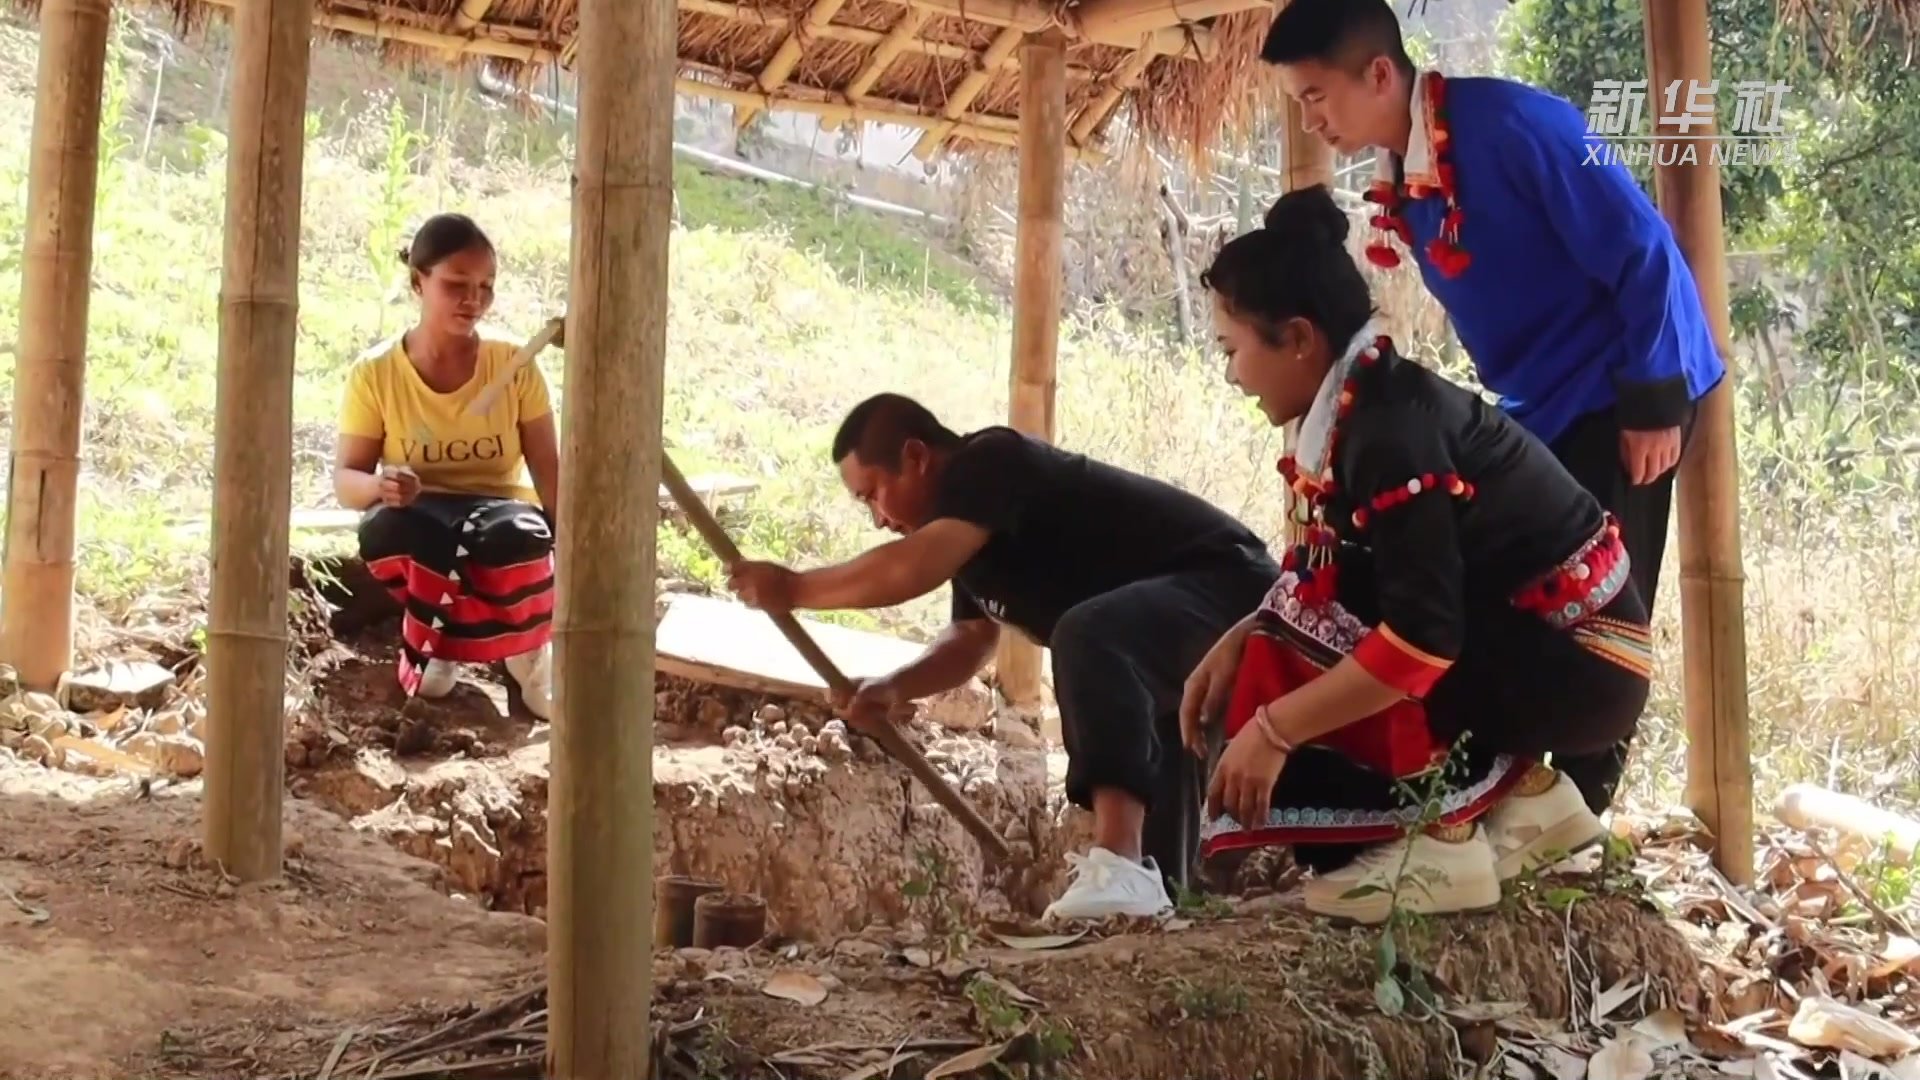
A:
(1185, 72)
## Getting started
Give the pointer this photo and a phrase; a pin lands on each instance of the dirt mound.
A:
(120, 936)
(1260, 991)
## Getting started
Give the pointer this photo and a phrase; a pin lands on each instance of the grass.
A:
(787, 306)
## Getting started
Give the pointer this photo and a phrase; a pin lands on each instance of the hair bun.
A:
(1309, 215)
(406, 255)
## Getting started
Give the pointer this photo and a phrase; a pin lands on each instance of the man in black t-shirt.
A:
(1128, 580)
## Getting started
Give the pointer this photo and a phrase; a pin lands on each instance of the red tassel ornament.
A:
(1444, 251)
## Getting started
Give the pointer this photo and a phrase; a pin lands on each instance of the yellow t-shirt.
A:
(386, 399)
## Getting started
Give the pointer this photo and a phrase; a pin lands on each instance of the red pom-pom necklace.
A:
(1313, 561)
(1445, 250)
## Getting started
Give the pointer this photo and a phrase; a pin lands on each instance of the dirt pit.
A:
(768, 796)
(141, 960)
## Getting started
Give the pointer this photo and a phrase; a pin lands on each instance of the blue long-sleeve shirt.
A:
(1577, 298)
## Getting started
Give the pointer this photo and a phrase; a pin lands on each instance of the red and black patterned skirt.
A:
(1525, 686)
(473, 575)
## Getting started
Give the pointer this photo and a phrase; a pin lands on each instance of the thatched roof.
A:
(1184, 69)
(949, 67)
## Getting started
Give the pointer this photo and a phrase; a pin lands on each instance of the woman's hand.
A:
(399, 485)
(1242, 785)
(1209, 687)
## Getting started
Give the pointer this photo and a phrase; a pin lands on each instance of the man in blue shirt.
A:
(1560, 276)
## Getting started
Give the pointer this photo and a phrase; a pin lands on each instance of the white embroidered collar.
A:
(1419, 164)
(1316, 431)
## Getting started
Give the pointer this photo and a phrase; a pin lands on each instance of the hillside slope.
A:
(787, 307)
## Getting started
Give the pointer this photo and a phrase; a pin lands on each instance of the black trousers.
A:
(1120, 663)
(1590, 450)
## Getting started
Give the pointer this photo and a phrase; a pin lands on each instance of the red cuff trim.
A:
(1388, 657)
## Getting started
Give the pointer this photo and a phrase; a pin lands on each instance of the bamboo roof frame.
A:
(947, 67)
(950, 68)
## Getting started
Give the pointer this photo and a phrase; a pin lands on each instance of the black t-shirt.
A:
(1067, 528)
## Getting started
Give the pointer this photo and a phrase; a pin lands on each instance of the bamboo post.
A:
(253, 437)
(36, 600)
(1713, 627)
(600, 855)
(1038, 269)
(1305, 160)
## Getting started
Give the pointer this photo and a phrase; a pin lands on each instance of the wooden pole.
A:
(600, 855)
(1713, 620)
(1305, 160)
(253, 437)
(36, 601)
(1038, 269)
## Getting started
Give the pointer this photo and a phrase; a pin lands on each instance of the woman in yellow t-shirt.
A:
(453, 529)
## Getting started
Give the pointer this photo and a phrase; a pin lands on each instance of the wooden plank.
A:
(727, 644)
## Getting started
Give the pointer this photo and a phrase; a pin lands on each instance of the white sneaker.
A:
(1106, 884)
(1528, 831)
(1439, 878)
(437, 681)
(533, 671)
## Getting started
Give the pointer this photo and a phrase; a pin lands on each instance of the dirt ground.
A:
(416, 871)
(142, 961)
(118, 945)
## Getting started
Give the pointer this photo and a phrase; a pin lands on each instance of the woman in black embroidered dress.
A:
(1460, 610)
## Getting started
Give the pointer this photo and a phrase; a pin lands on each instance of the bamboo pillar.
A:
(1038, 269)
(36, 600)
(1305, 160)
(600, 854)
(253, 437)
(1713, 621)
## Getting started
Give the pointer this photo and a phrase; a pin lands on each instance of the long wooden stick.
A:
(548, 335)
(889, 739)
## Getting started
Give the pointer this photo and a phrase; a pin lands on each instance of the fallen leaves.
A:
(1039, 941)
(1824, 1022)
(795, 986)
(35, 915)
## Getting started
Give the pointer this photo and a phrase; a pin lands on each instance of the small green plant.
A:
(1217, 998)
(388, 231)
(1192, 904)
(933, 899)
(1890, 884)
(998, 1015)
(713, 1057)
(1398, 977)
(1001, 1018)
(115, 93)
